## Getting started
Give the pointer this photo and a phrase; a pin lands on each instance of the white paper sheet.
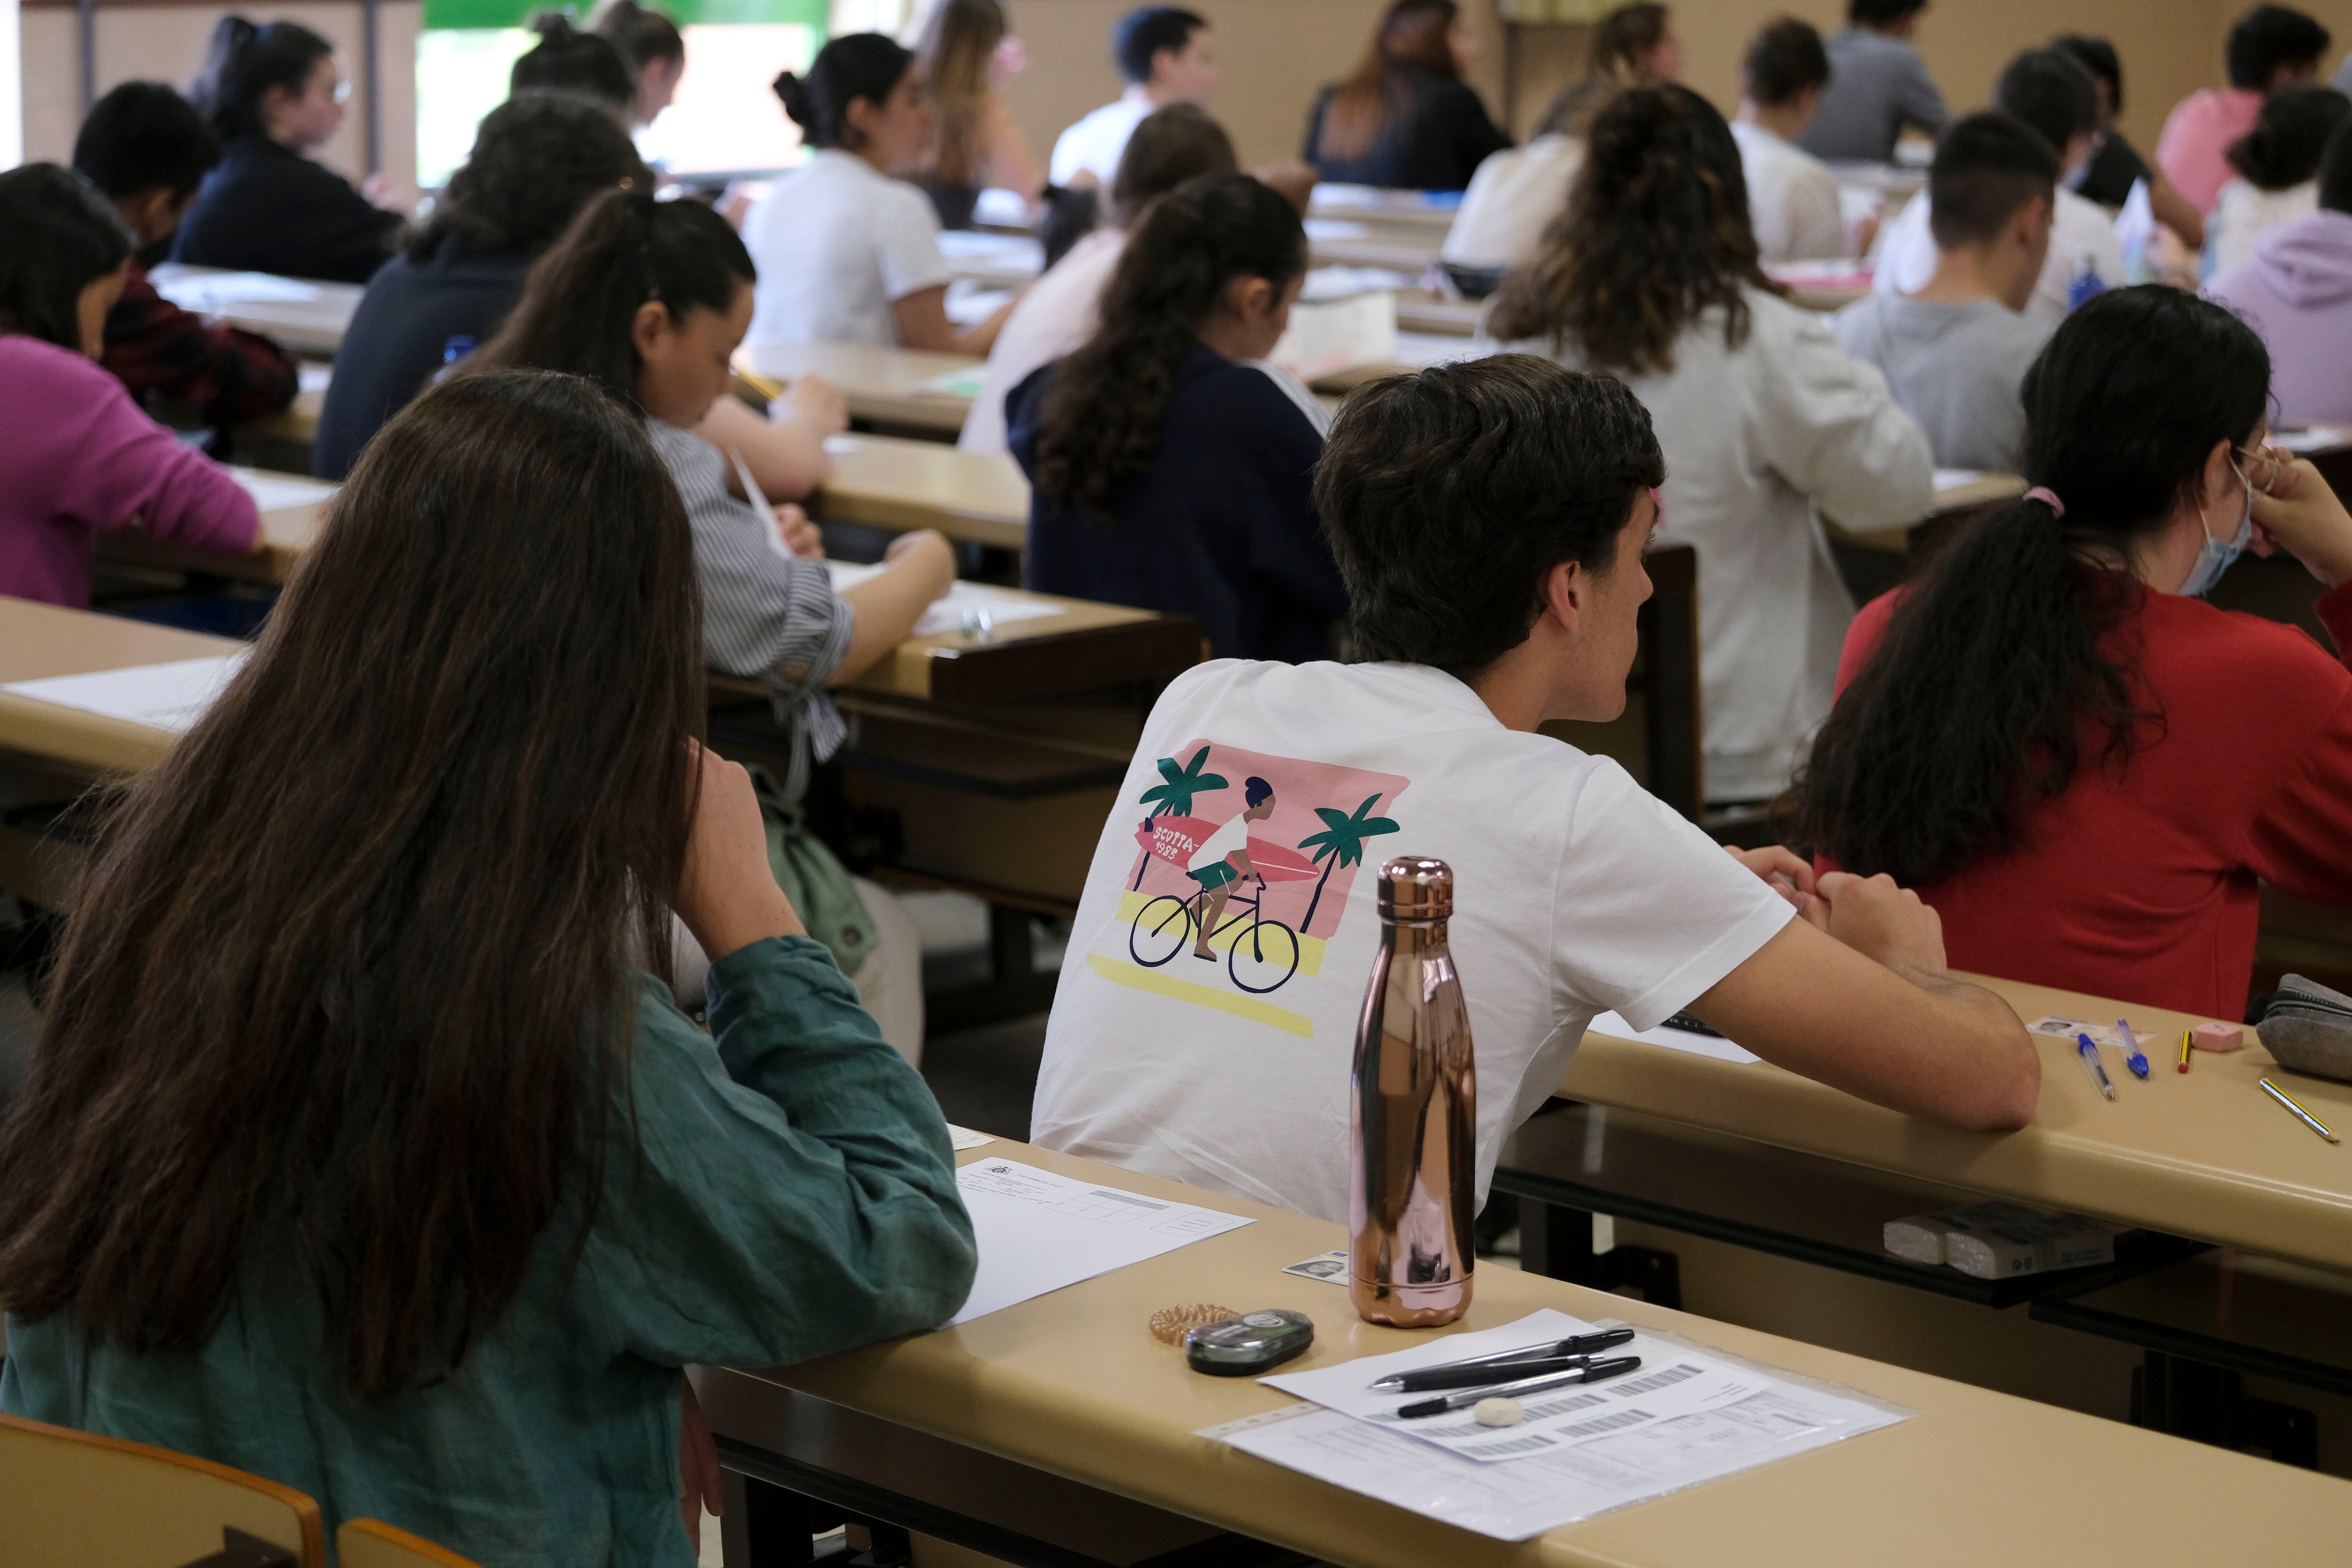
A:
(965, 1138)
(1670, 1382)
(1722, 1050)
(275, 492)
(1038, 1232)
(1954, 479)
(966, 606)
(163, 696)
(210, 290)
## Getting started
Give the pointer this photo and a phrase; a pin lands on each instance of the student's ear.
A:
(648, 327)
(2220, 480)
(1250, 298)
(1565, 589)
(861, 117)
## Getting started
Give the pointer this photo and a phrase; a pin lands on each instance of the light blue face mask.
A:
(2214, 557)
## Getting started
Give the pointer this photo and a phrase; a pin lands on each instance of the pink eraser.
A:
(2218, 1038)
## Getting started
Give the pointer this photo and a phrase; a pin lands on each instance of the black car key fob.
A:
(1249, 1344)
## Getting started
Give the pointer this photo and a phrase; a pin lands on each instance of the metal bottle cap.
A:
(1415, 888)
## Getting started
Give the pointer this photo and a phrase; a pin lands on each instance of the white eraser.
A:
(1497, 1412)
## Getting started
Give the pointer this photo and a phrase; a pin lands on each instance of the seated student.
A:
(1060, 312)
(1792, 197)
(650, 299)
(2297, 291)
(79, 456)
(1651, 274)
(1879, 86)
(2081, 767)
(2115, 166)
(537, 160)
(2277, 166)
(1170, 471)
(437, 1254)
(967, 52)
(273, 93)
(1489, 518)
(2270, 47)
(1956, 351)
(1165, 55)
(2051, 93)
(848, 250)
(651, 46)
(148, 150)
(568, 60)
(1405, 120)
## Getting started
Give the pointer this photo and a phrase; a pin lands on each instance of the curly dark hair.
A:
(1105, 408)
(1654, 235)
(536, 161)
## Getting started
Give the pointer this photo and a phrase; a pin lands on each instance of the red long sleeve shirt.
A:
(2139, 883)
(227, 376)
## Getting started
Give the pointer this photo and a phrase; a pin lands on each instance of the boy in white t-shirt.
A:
(1489, 518)
(1164, 54)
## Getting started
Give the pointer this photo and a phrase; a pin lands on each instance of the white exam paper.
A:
(963, 604)
(210, 290)
(1722, 1050)
(1672, 1381)
(1954, 479)
(162, 696)
(1038, 1232)
(275, 492)
(965, 1138)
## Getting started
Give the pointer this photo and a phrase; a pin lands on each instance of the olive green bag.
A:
(814, 880)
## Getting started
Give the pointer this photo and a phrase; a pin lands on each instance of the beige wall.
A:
(166, 43)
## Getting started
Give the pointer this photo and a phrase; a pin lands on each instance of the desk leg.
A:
(2206, 1405)
(1556, 1241)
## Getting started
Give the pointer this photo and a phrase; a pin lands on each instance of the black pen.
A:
(1590, 1371)
(1500, 1367)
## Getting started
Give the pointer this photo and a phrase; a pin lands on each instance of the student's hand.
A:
(800, 536)
(814, 403)
(728, 898)
(392, 196)
(701, 1485)
(1881, 920)
(2295, 506)
(1788, 876)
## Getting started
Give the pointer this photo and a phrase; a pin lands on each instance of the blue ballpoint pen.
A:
(2133, 1056)
(2088, 1050)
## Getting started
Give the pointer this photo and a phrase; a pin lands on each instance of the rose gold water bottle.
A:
(1414, 1112)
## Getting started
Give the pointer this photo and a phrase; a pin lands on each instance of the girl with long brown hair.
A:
(358, 1150)
(1405, 119)
(968, 50)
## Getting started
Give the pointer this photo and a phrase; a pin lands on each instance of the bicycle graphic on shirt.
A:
(1164, 927)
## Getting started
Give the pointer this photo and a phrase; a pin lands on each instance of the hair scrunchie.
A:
(2048, 498)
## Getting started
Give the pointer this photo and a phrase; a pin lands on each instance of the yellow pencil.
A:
(2306, 1116)
(2186, 1035)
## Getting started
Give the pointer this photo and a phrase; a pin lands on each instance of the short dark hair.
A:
(143, 136)
(854, 65)
(2267, 37)
(59, 234)
(2050, 90)
(2289, 137)
(568, 60)
(1987, 166)
(2099, 58)
(1448, 496)
(1880, 13)
(2335, 172)
(1786, 58)
(1254, 790)
(1145, 31)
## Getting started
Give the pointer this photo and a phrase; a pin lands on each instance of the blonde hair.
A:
(959, 41)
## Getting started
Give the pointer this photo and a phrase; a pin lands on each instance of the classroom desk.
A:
(1070, 1388)
(312, 325)
(887, 386)
(2203, 1154)
(977, 498)
(37, 641)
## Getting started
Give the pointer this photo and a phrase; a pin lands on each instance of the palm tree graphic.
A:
(1173, 797)
(1341, 842)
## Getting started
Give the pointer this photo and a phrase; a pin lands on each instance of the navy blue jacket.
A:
(1222, 526)
(266, 208)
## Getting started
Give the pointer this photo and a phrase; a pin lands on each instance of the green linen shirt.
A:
(795, 1196)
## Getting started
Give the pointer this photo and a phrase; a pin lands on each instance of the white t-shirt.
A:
(1792, 197)
(836, 243)
(1096, 143)
(1234, 835)
(1904, 258)
(1058, 314)
(2243, 210)
(1575, 891)
(1513, 196)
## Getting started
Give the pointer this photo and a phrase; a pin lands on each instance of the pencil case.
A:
(2309, 1029)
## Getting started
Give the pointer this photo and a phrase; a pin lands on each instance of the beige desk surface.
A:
(910, 669)
(2203, 1154)
(1896, 541)
(882, 481)
(1071, 1383)
(37, 641)
(306, 326)
(882, 385)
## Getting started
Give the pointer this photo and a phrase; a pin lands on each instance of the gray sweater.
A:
(1955, 368)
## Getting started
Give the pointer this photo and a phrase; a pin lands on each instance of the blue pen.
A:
(2088, 1050)
(2133, 1058)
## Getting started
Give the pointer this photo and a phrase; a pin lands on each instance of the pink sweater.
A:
(76, 456)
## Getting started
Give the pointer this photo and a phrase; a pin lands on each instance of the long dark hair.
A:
(1104, 410)
(1654, 235)
(537, 160)
(1412, 36)
(57, 236)
(2289, 136)
(624, 249)
(1998, 678)
(244, 62)
(346, 999)
(858, 65)
(1624, 37)
(1173, 143)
